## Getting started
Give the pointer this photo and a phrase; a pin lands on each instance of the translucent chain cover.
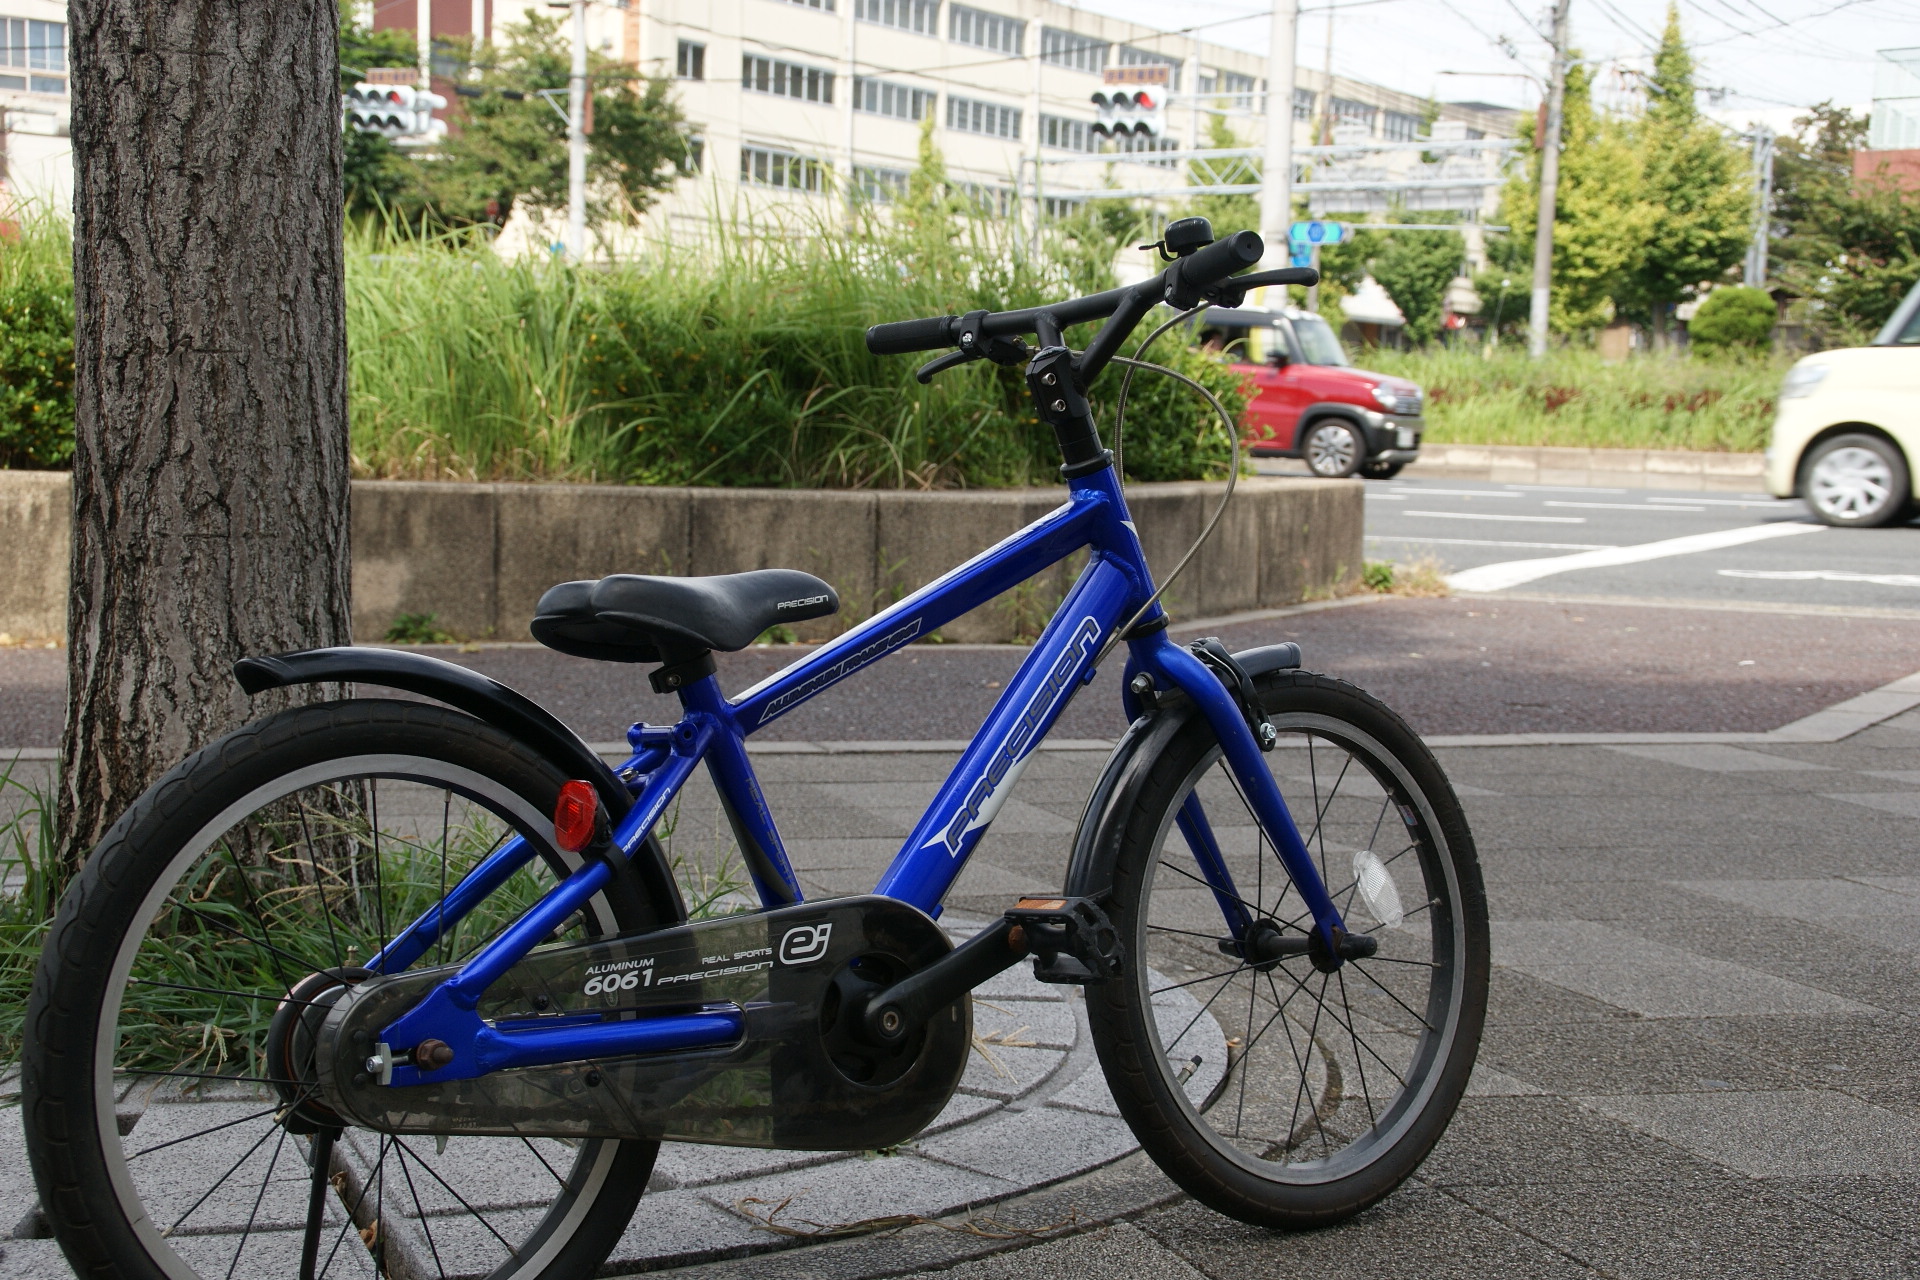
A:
(799, 1079)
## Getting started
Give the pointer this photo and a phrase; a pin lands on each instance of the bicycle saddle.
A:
(633, 618)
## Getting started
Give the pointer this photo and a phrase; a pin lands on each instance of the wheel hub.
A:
(291, 1037)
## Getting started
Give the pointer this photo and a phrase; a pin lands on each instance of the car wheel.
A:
(1857, 481)
(1333, 448)
(1381, 470)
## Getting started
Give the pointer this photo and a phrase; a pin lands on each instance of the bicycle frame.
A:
(1113, 586)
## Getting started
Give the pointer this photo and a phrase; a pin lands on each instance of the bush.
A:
(1736, 316)
(36, 345)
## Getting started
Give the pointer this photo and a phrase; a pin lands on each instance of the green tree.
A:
(1696, 177)
(1847, 251)
(509, 149)
(1602, 215)
(379, 178)
(1414, 268)
(1731, 317)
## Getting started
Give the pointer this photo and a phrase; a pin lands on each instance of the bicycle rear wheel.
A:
(1271, 1090)
(168, 1134)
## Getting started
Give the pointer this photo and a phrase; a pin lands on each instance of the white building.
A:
(36, 159)
(791, 96)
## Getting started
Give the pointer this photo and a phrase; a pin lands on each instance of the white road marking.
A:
(1778, 504)
(1484, 542)
(1385, 497)
(1826, 575)
(1512, 573)
(1622, 506)
(1458, 493)
(1560, 488)
(1488, 515)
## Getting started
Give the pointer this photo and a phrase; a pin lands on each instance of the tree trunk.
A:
(210, 358)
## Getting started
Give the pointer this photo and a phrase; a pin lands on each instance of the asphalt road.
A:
(1458, 526)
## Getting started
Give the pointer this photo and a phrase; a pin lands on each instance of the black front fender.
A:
(482, 697)
(1097, 840)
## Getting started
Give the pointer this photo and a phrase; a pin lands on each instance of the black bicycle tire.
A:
(1121, 1037)
(60, 1111)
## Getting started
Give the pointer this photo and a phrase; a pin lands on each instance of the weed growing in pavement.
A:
(1422, 578)
(32, 879)
(417, 628)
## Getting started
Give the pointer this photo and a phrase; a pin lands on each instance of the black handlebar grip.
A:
(1284, 275)
(900, 337)
(1222, 258)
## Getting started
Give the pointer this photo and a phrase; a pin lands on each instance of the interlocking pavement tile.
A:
(1889, 1206)
(1048, 1024)
(692, 1164)
(1087, 1092)
(1649, 978)
(1629, 1055)
(1718, 758)
(42, 1260)
(1717, 1224)
(1044, 1144)
(1904, 803)
(1505, 1141)
(1776, 1134)
(684, 1225)
(877, 1186)
(1118, 1252)
(1416, 1233)
(1010, 1072)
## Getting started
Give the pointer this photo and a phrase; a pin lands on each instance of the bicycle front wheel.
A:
(171, 1131)
(1269, 1089)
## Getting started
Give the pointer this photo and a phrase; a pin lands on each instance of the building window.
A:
(1303, 103)
(921, 16)
(34, 47)
(971, 116)
(986, 199)
(1061, 207)
(1132, 57)
(766, 167)
(1067, 49)
(1400, 127)
(879, 186)
(986, 30)
(827, 5)
(884, 98)
(788, 79)
(1347, 111)
(696, 154)
(1067, 135)
(1234, 85)
(691, 62)
(1134, 144)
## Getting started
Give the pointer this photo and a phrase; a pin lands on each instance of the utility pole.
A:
(1039, 148)
(1276, 173)
(423, 40)
(853, 103)
(1755, 272)
(577, 138)
(1549, 186)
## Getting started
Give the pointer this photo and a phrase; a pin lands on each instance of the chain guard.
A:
(798, 1079)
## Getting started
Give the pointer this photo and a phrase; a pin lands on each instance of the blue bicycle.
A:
(410, 987)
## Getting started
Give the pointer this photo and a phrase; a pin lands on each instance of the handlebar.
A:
(1207, 274)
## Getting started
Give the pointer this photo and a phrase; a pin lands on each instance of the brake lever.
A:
(1232, 291)
(951, 360)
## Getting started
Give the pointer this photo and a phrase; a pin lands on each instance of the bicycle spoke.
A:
(528, 1144)
(174, 1142)
(320, 1155)
(259, 1142)
(1201, 880)
(1359, 1062)
(320, 887)
(1349, 1030)
(265, 1181)
(420, 1209)
(1191, 981)
(379, 1163)
(406, 1151)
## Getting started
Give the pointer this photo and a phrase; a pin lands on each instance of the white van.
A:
(1846, 436)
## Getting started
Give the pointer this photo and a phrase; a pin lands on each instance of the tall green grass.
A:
(739, 360)
(1574, 398)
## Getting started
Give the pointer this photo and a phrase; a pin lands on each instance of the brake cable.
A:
(1120, 475)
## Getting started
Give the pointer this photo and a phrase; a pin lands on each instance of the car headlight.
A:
(1802, 379)
(1388, 398)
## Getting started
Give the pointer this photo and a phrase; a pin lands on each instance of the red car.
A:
(1309, 401)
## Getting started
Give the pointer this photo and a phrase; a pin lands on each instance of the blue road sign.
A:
(1317, 232)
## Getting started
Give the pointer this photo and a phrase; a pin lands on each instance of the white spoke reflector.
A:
(1377, 889)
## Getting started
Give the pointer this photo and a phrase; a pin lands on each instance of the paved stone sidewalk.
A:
(1700, 1062)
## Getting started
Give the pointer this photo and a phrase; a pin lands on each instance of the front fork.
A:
(1173, 667)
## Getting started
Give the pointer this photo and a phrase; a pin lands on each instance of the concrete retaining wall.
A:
(479, 555)
(1623, 468)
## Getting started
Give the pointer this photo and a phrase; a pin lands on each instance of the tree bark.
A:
(210, 359)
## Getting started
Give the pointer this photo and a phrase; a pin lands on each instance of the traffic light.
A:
(1125, 114)
(397, 112)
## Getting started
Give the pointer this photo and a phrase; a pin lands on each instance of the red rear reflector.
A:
(574, 814)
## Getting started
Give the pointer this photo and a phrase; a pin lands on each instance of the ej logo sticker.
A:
(805, 944)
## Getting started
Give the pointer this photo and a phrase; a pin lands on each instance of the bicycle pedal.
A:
(1071, 939)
